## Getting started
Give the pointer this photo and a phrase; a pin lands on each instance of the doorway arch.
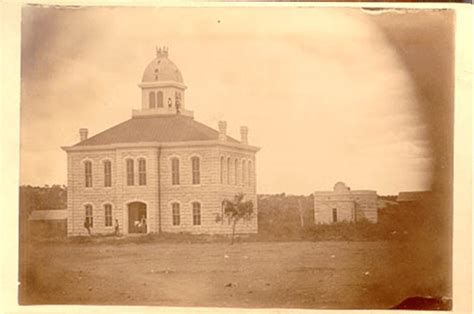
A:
(137, 217)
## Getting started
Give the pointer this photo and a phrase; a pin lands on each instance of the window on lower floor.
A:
(108, 215)
(89, 217)
(176, 216)
(334, 215)
(196, 213)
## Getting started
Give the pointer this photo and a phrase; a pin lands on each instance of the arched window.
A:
(141, 171)
(175, 213)
(88, 173)
(196, 168)
(130, 172)
(89, 217)
(108, 215)
(236, 171)
(159, 99)
(107, 173)
(249, 176)
(228, 170)
(196, 213)
(175, 171)
(151, 99)
(243, 172)
(222, 169)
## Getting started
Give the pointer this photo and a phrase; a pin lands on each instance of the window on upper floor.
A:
(88, 174)
(141, 171)
(196, 213)
(89, 217)
(176, 214)
(107, 173)
(222, 169)
(159, 99)
(236, 171)
(175, 171)
(196, 169)
(249, 175)
(108, 215)
(244, 172)
(228, 170)
(152, 100)
(130, 172)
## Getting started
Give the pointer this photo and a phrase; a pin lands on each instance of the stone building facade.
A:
(343, 204)
(161, 170)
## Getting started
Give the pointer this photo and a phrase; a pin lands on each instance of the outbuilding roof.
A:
(50, 214)
(155, 128)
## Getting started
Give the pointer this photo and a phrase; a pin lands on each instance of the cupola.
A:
(162, 87)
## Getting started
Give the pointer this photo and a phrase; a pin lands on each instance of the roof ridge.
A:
(156, 128)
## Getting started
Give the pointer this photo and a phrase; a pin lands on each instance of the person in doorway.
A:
(117, 228)
(87, 226)
(143, 224)
(136, 226)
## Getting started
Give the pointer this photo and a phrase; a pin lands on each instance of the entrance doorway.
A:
(137, 220)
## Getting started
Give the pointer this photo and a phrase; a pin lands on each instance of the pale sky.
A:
(323, 92)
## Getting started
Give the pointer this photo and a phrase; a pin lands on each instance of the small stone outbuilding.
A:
(343, 204)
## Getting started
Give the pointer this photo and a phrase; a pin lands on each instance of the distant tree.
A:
(236, 210)
(40, 198)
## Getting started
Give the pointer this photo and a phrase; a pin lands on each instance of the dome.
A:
(341, 187)
(162, 69)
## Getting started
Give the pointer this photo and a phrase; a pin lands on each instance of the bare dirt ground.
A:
(249, 275)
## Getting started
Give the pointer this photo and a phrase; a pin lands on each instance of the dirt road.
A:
(257, 275)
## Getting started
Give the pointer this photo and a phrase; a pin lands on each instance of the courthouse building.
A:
(161, 170)
(344, 204)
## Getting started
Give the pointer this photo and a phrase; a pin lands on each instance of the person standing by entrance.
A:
(143, 225)
(117, 228)
(87, 226)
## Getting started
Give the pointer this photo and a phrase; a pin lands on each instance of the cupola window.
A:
(159, 99)
(151, 97)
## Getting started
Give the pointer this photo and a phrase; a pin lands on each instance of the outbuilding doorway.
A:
(137, 220)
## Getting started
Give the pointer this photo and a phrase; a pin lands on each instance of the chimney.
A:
(244, 135)
(222, 130)
(83, 134)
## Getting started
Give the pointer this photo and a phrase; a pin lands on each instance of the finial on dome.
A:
(161, 52)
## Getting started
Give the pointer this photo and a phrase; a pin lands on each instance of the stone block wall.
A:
(210, 192)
